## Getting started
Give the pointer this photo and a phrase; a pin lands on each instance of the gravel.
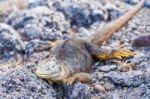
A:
(38, 23)
(133, 2)
(10, 41)
(23, 84)
(147, 3)
(79, 90)
(130, 78)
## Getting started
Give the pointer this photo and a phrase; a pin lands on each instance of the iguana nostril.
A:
(33, 69)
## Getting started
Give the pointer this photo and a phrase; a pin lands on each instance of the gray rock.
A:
(23, 84)
(85, 13)
(109, 87)
(78, 91)
(107, 68)
(141, 92)
(147, 3)
(128, 79)
(38, 23)
(10, 41)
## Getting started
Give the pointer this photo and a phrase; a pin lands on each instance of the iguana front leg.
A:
(67, 79)
(105, 54)
(82, 77)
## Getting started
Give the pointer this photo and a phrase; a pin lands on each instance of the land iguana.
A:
(72, 60)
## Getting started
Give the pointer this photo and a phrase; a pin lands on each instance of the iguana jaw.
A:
(48, 74)
(45, 74)
(48, 69)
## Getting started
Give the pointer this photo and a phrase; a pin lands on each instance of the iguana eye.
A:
(59, 68)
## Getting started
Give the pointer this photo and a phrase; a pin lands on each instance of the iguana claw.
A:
(122, 53)
(70, 80)
(116, 54)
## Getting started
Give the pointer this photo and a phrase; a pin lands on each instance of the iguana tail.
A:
(103, 34)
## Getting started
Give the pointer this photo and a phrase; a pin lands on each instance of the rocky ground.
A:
(29, 29)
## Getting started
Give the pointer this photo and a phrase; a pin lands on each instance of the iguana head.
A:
(48, 69)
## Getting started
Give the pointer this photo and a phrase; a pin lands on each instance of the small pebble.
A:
(107, 68)
(109, 87)
(99, 87)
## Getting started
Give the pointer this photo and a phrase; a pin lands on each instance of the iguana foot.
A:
(116, 54)
(82, 77)
(122, 53)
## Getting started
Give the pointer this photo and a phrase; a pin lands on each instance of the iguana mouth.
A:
(39, 74)
(44, 76)
(42, 73)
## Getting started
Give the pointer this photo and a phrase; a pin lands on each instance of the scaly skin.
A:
(71, 60)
